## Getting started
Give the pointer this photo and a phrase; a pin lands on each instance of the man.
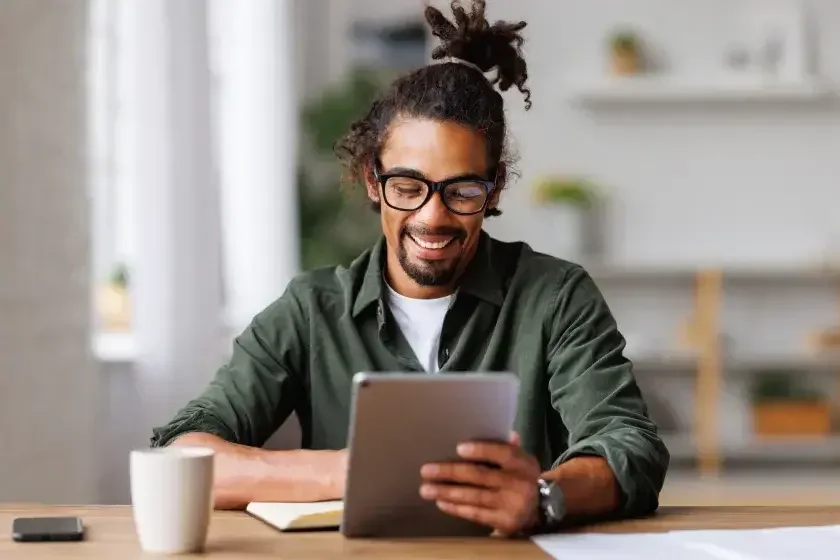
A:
(436, 294)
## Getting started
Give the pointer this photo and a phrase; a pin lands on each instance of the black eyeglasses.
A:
(461, 195)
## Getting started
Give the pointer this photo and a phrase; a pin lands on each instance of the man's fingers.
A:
(502, 498)
(462, 495)
(496, 519)
(507, 456)
(463, 473)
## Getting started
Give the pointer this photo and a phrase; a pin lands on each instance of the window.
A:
(102, 94)
(112, 234)
(119, 44)
(111, 180)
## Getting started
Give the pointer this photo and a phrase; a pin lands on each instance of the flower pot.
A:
(624, 62)
(791, 418)
(114, 308)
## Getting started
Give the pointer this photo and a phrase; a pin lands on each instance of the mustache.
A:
(417, 230)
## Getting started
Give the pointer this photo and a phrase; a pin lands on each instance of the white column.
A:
(176, 276)
(255, 56)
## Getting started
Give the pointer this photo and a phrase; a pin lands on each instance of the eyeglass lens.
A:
(405, 193)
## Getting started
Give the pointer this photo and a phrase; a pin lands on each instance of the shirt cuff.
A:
(195, 422)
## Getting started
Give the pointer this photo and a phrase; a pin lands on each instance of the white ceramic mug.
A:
(172, 498)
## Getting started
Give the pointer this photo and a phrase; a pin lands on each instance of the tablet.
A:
(401, 421)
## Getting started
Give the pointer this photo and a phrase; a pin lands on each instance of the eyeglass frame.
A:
(435, 186)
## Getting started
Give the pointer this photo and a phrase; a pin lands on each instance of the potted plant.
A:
(115, 301)
(334, 226)
(782, 405)
(573, 191)
(566, 204)
(625, 53)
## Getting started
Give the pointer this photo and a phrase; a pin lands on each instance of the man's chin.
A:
(429, 273)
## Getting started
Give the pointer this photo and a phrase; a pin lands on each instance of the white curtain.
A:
(209, 87)
(176, 280)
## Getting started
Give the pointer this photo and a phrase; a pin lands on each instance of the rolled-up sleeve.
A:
(593, 388)
(259, 387)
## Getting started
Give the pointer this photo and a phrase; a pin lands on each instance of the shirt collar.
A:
(483, 277)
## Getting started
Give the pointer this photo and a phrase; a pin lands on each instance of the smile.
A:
(432, 245)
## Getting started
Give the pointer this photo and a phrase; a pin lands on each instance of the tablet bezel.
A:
(400, 421)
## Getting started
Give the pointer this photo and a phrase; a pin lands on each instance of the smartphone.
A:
(42, 529)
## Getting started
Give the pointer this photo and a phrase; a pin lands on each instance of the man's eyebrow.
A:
(409, 172)
(404, 171)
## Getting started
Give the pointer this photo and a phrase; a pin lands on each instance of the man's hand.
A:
(504, 498)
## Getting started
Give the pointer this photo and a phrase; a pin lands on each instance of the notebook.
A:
(296, 516)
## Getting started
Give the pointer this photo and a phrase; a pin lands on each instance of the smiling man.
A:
(435, 295)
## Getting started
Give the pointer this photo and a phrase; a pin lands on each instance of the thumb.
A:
(514, 439)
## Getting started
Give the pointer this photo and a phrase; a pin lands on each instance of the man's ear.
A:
(371, 185)
(501, 179)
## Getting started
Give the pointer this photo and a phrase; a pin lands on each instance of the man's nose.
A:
(434, 211)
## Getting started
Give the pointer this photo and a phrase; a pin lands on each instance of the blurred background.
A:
(166, 168)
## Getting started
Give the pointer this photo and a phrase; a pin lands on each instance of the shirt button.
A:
(446, 352)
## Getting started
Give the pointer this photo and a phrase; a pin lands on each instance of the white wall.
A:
(699, 184)
(699, 171)
(47, 378)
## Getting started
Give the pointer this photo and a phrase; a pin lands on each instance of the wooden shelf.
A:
(802, 273)
(606, 272)
(686, 362)
(617, 272)
(793, 449)
(757, 364)
(672, 363)
(710, 365)
(657, 90)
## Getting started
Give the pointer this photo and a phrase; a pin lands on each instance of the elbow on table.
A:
(647, 468)
(639, 461)
(192, 421)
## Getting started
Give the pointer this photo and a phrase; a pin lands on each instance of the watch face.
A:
(553, 502)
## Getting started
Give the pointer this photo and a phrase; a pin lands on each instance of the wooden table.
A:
(110, 534)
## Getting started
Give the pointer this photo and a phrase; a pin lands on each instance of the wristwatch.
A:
(552, 504)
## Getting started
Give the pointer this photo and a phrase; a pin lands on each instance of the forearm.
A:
(245, 474)
(589, 486)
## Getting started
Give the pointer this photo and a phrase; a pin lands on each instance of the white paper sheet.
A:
(787, 543)
(591, 546)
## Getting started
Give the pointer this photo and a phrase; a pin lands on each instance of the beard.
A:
(429, 273)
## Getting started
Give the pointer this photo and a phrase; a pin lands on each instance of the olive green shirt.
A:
(515, 311)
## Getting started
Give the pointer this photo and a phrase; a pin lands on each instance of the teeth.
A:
(430, 245)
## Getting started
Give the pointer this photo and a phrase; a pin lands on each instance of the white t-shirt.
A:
(421, 321)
